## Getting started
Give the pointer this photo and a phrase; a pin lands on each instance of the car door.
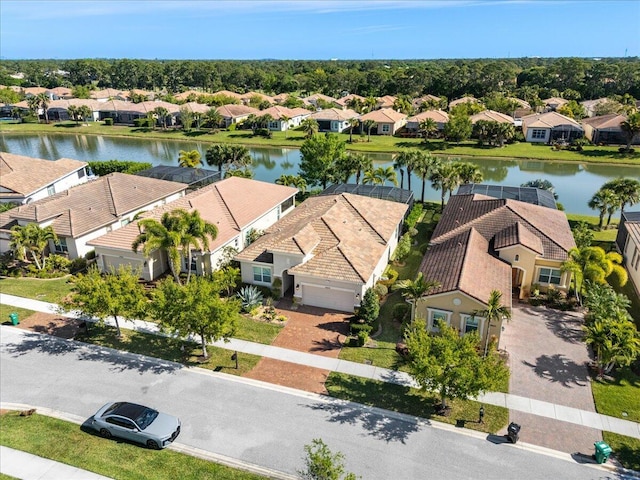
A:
(124, 428)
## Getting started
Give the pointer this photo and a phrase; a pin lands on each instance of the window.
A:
(286, 205)
(193, 266)
(538, 134)
(125, 222)
(262, 274)
(471, 324)
(274, 125)
(517, 258)
(435, 315)
(121, 422)
(51, 190)
(635, 256)
(386, 128)
(61, 245)
(549, 276)
(81, 173)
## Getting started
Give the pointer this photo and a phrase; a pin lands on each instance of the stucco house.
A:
(318, 97)
(491, 116)
(483, 244)
(87, 211)
(418, 102)
(628, 244)
(108, 94)
(387, 120)
(386, 101)
(549, 127)
(20, 184)
(59, 109)
(343, 102)
(606, 129)
(236, 113)
(334, 119)
(553, 103)
(328, 251)
(234, 205)
(295, 116)
(462, 100)
(439, 116)
(247, 97)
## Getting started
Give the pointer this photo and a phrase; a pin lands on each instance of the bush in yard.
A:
(369, 307)
(356, 328)
(250, 298)
(389, 278)
(400, 311)
(78, 265)
(363, 338)
(413, 217)
(108, 122)
(403, 248)
(381, 290)
(322, 464)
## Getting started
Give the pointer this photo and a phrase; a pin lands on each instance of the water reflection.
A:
(575, 183)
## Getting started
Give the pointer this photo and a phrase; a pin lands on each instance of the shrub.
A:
(412, 232)
(369, 307)
(108, 122)
(413, 217)
(389, 278)
(78, 265)
(356, 328)
(381, 290)
(363, 337)
(403, 248)
(122, 166)
(232, 127)
(250, 298)
(57, 263)
(400, 311)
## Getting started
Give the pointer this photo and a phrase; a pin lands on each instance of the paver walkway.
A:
(513, 402)
(533, 339)
(31, 467)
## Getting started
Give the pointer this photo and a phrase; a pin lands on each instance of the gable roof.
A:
(93, 205)
(491, 116)
(458, 101)
(233, 110)
(436, 115)
(278, 111)
(334, 114)
(548, 120)
(556, 101)
(344, 100)
(225, 204)
(345, 236)
(610, 121)
(17, 172)
(384, 115)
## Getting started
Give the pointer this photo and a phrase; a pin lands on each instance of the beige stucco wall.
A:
(633, 268)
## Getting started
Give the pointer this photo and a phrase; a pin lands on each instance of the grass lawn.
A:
(613, 397)
(257, 331)
(414, 402)
(169, 349)
(48, 290)
(5, 310)
(66, 443)
(7, 477)
(604, 237)
(377, 143)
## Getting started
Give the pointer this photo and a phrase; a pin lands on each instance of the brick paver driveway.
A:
(311, 330)
(548, 362)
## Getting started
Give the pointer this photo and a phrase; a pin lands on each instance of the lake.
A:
(575, 183)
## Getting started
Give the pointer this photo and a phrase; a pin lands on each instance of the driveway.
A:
(308, 329)
(549, 362)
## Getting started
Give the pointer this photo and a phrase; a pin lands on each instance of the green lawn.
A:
(48, 290)
(616, 397)
(256, 330)
(604, 237)
(66, 443)
(414, 402)
(377, 143)
(5, 310)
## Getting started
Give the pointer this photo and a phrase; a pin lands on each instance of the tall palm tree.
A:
(196, 232)
(504, 132)
(602, 200)
(292, 181)
(468, 172)
(162, 114)
(361, 163)
(626, 189)
(445, 178)
(384, 174)
(631, 127)
(43, 102)
(285, 122)
(72, 111)
(368, 125)
(428, 127)
(370, 103)
(424, 165)
(34, 106)
(34, 239)
(310, 127)
(190, 159)
(213, 118)
(227, 155)
(371, 177)
(413, 290)
(495, 312)
(353, 122)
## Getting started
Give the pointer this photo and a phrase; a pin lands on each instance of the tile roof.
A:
(107, 93)
(93, 205)
(334, 114)
(184, 95)
(384, 115)
(557, 101)
(491, 116)
(386, 101)
(227, 204)
(233, 111)
(417, 102)
(227, 93)
(548, 120)
(346, 234)
(17, 172)
(318, 96)
(278, 111)
(458, 101)
(518, 234)
(612, 120)
(344, 100)
(436, 115)
(249, 95)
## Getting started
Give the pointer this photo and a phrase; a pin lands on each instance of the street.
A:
(258, 423)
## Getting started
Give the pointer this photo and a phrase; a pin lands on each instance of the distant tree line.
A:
(527, 78)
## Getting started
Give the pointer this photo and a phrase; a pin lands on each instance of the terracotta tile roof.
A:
(64, 104)
(518, 234)
(318, 96)
(234, 111)
(278, 111)
(61, 91)
(34, 90)
(249, 95)
(227, 93)
(384, 115)
(107, 93)
(555, 101)
(350, 233)
(184, 95)
(491, 116)
(548, 120)
(522, 103)
(417, 102)
(334, 114)
(436, 115)
(612, 120)
(95, 204)
(463, 262)
(342, 101)
(196, 107)
(458, 101)
(386, 101)
(17, 172)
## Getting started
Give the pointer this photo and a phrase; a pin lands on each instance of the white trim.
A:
(431, 312)
(481, 323)
(537, 276)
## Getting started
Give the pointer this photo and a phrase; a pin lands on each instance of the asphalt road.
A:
(257, 423)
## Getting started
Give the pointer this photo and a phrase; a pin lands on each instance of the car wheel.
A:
(153, 445)
(105, 433)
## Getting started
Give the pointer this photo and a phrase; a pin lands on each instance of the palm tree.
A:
(72, 111)
(353, 122)
(428, 127)
(385, 174)
(34, 239)
(602, 200)
(196, 233)
(190, 159)
(368, 125)
(43, 102)
(495, 312)
(371, 177)
(213, 118)
(444, 178)
(310, 127)
(162, 114)
(424, 165)
(468, 172)
(292, 181)
(504, 132)
(227, 155)
(413, 290)
(615, 341)
(361, 163)
(34, 106)
(626, 189)
(399, 163)
(631, 127)
(370, 103)
(595, 265)
(285, 122)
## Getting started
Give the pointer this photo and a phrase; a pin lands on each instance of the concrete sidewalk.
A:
(31, 467)
(512, 402)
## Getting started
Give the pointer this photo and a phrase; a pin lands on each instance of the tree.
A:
(34, 239)
(573, 109)
(504, 132)
(603, 200)
(322, 464)
(424, 165)
(310, 127)
(458, 128)
(43, 103)
(318, 156)
(292, 181)
(196, 232)
(413, 290)
(190, 159)
(213, 118)
(450, 363)
(631, 127)
(285, 122)
(627, 190)
(495, 312)
(369, 307)
(118, 294)
(468, 172)
(361, 163)
(186, 118)
(582, 234)
(595, 265)
(542, 184)
(407, 159)
(602, 301)
(353, 122)
(399, 163)
(386, 174)
(427, 128)
(444, 178)
(368, 125)
(162, 114)
(195, 309)
(615, 341)
(223, 155)
(72, 111)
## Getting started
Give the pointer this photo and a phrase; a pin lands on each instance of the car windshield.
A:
(146, 417)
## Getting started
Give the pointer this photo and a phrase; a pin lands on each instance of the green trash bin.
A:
(14, 318)
(603, 450)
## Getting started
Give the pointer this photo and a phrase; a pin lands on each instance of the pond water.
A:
(575, 183)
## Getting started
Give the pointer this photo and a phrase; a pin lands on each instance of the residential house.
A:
(440, 117)
(491, 116)
(553, 103)
(549, 127)
(280, 98)
(628, 244)
(388, 121)
(591, 105)
(60, 93)
(417, 103)
(59, 109)
(328, 251)
(334, 119)
(35, 91)
(462, 100)
(245, 98)
(227, 93)
(386, 101)
(483, 244)
(234, 205)
(128, 112)
(19, 182)
(236, 113)
(184, 96)
(294, 117)
(606, 129)
(87, 211)
(316, 97)
(343, 102)
(108, 94)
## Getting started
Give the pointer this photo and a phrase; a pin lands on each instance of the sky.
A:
(318, 29)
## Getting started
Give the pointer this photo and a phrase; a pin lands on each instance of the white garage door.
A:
(327, 298)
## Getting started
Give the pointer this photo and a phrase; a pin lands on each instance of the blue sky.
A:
(323, 29)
